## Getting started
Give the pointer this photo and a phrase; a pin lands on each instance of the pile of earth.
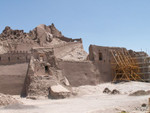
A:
(7, 100)
(140, 93)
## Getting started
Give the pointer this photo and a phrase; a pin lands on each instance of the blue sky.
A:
(122, 23)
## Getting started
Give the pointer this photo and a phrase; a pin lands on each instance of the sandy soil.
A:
(90, 99)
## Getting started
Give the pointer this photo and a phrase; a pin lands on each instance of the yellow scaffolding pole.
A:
(124, 67)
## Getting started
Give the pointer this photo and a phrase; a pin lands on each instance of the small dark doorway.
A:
(46, 69)
(100, 56)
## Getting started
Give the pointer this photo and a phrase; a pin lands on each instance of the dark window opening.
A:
(100, 56)
(17, 58)
(8, 58)
(0, 58)
(26, 58)
(46, 69)
(14, 32)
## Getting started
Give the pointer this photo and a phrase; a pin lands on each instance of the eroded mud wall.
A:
(103, 59)
(12, 78)
(79, 73)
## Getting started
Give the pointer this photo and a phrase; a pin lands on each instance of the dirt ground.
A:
(89, 99)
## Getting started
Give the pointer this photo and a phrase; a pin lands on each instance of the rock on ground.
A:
(106, 90)
(58, 91)
(140, 93)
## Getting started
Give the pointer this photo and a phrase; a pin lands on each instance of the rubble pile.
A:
(140, 93)
(7, 100)
(8, 33)
(113, 92)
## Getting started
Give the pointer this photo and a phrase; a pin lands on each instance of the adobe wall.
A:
(94, 71)
(14, 57)
(102, 59)
(42, 73)
(25, 46)
(13, 66)
(79, 73)
(12, 78)
(62, 50)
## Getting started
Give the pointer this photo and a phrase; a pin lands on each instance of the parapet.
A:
(70, 39)
(14, 57)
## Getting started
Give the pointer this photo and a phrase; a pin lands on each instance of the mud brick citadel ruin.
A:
(31, 63)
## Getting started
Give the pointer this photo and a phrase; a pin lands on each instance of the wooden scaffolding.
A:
(125, 68)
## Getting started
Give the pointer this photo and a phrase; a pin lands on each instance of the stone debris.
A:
(58, 92)
(113, 92)
(143, 105)
(140, 93)
(7, 100)
(143, 108)
(106, 90)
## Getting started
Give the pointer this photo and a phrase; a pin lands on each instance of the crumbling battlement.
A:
(66, 44)
(8, 33)
(70, 39)
(41, 36)
(14, 57)
(101, 53)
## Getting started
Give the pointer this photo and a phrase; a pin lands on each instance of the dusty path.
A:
(86, 103)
